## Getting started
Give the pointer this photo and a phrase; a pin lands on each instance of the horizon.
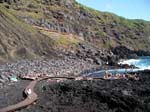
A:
(121, 8)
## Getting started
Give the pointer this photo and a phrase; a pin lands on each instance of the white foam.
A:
(129, 62)
(140, 63)
(144, 67)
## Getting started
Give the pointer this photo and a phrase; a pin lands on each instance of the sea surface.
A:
(142, 63)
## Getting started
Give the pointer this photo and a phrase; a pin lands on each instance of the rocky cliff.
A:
(100, 29)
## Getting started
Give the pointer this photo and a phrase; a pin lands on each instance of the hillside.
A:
(47, 22)
(18, 39)
(102, 29)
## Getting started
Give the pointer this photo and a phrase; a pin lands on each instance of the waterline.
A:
(142, 62)
(113, 71)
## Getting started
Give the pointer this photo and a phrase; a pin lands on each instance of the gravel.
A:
(53, 67)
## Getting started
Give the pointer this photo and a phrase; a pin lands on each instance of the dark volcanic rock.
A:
(94, 96)
(99, 56)
(124, 52)
(142, 53)
(84, 96)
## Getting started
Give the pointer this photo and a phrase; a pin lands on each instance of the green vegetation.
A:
(104, 28)
(64, 41)
(16, 21)
(61, 39)
(19, 39)
(35, 15)
(126, 29)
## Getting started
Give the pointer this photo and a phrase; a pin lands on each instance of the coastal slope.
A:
(102, 29)
(19, 39)
(65, 26)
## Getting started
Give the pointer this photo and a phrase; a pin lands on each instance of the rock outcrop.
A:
(127, 53)
(94, 55)
(100, 28)
(96, 96)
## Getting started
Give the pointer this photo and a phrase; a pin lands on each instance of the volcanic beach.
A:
(100, 95)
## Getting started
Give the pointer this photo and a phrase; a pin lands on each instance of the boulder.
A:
(98, 56)
(98, 61)
(123, 52)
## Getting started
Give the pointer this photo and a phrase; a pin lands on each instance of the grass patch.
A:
(16, 21)
(20, 13)
(61, 41)
(59, 38)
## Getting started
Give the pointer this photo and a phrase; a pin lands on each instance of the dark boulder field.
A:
(95, 96)
(92, 96)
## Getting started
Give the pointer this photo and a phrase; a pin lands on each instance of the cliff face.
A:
(103, 29)
(100, 29)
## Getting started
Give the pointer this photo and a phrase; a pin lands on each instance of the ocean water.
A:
(142, 63)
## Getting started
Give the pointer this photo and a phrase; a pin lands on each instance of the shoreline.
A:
(110, 95)
(52, 67)
(61, 66)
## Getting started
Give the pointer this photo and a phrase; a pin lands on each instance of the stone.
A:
(97, 61)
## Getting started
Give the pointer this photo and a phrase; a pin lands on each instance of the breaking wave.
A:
(142, 62)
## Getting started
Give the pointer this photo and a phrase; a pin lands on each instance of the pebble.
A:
(56, 67)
